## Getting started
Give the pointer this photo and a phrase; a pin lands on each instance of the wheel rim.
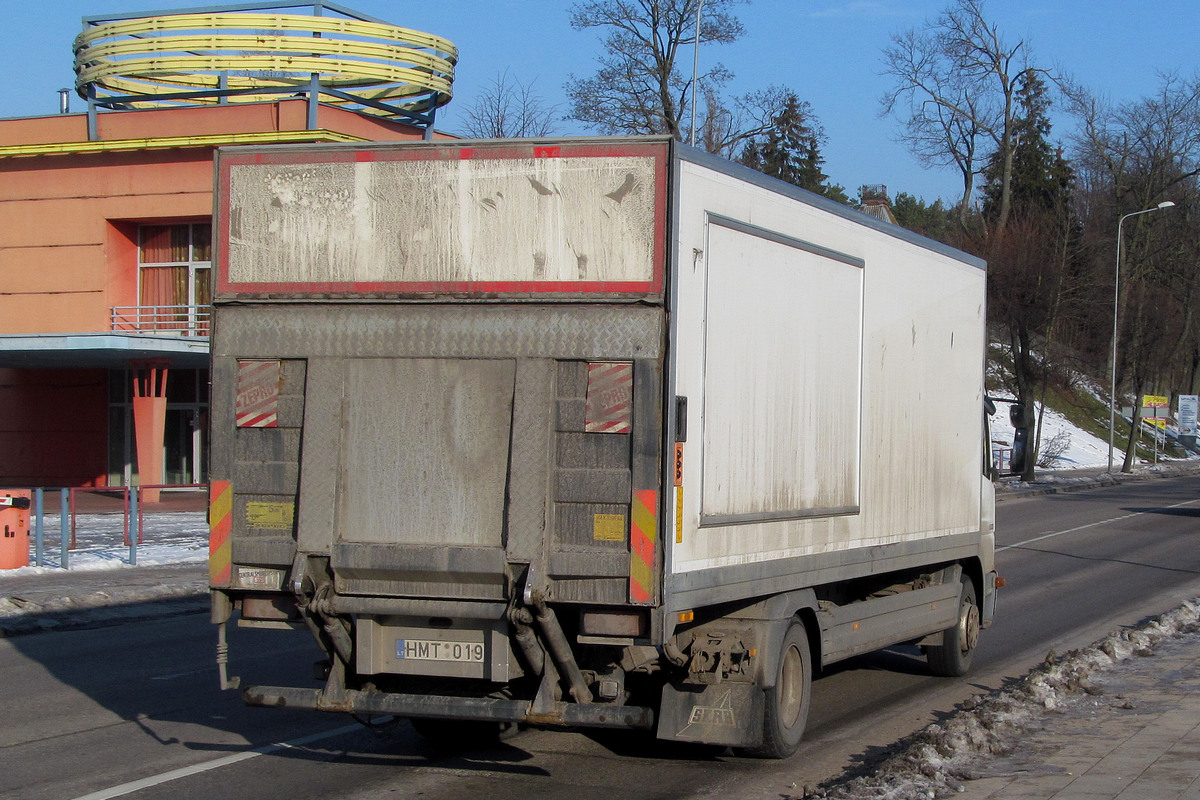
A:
(968, 626)
(791, 687)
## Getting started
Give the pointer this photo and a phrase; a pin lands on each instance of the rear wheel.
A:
(785, 712)
(952, 657)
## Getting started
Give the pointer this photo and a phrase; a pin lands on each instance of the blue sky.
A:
(828, 51)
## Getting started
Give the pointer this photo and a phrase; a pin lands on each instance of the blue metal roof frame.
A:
(317, 6)
(423, 116)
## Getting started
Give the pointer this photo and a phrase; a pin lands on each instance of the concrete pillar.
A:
(149, 422)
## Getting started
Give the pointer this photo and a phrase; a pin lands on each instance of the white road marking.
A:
(1094, 525)
(175, 675)
(195, 769)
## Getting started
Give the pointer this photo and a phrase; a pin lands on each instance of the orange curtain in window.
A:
(165, 286)
(164, 243)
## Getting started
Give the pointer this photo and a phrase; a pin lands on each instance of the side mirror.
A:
(1020, 450)
(1016, 415)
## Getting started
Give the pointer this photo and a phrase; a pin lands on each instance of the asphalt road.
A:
(133, 710)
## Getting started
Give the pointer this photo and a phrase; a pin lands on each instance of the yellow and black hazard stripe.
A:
(643, 544)
(220, 525)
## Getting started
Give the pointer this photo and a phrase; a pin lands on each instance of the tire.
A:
(785, 712)
(952, 658)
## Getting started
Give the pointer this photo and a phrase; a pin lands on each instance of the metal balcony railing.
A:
(165, 320)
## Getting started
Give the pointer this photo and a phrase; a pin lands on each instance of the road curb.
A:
(1066, 482)
(103, 616)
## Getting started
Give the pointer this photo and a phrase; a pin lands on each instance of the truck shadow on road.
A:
(1178, 511)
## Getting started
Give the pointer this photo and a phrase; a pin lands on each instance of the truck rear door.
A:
(439, 367)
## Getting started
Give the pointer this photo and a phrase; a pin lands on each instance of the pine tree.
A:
(791, 150)
(1030, 253)
(1041, 177)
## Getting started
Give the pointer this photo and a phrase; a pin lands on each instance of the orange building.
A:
(105, 235)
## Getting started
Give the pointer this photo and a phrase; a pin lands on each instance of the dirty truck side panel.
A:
(834, 376)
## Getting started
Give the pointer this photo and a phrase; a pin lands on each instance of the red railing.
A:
(125, 497)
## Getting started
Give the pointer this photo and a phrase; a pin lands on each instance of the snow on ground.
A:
(1084, 450)
(935, 762)
(167, 538)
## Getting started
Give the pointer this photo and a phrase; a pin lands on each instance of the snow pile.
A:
(935, 762)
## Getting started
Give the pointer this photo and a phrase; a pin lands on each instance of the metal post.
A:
(1156, 430)
(93, 124)
(696, 70)
(65, 542)
(130, 522)
(39, 554)
(314, 94)
(428, 133)
(1112, 369)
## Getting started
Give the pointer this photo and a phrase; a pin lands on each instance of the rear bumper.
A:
(587, 715)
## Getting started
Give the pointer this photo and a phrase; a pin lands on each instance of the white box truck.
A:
(587, 432)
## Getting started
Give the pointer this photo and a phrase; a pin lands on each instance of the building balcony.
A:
(162, 320)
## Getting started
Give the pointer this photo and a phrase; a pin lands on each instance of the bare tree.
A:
(955, 91)
(640, 88)
(1132, 157)
(509, 109)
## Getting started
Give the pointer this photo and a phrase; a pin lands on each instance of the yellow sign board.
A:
(608, 527)
(1155, 401)
(270, 516)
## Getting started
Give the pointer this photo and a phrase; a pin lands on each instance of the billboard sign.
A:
(1189, 404)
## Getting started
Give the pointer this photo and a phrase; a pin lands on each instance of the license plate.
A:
(435, 650)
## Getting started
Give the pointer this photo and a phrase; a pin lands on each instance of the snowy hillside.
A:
(1084, 450)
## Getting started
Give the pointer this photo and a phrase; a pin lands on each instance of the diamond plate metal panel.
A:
(410, 331)
(530, 459)
(319, 457)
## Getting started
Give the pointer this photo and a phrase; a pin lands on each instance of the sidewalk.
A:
(64, 599)
(1133, 734)
(1119, 720)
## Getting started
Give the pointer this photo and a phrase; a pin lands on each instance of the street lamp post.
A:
(695, 71)
(1112, 368)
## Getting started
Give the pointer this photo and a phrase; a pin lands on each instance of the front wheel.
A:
(785, 711)
(952, 658)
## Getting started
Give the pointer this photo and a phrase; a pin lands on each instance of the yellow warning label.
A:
(270, 516)
(608, 527)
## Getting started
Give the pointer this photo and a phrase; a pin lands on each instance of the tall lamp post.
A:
(695, 71)
(1112, 369)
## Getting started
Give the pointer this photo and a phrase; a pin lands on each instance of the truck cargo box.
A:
(608, 416)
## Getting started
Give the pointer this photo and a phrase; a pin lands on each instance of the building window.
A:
(175, 262)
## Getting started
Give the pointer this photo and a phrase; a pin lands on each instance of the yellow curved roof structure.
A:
(211, 57)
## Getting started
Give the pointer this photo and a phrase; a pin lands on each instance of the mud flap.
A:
(724, 713)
